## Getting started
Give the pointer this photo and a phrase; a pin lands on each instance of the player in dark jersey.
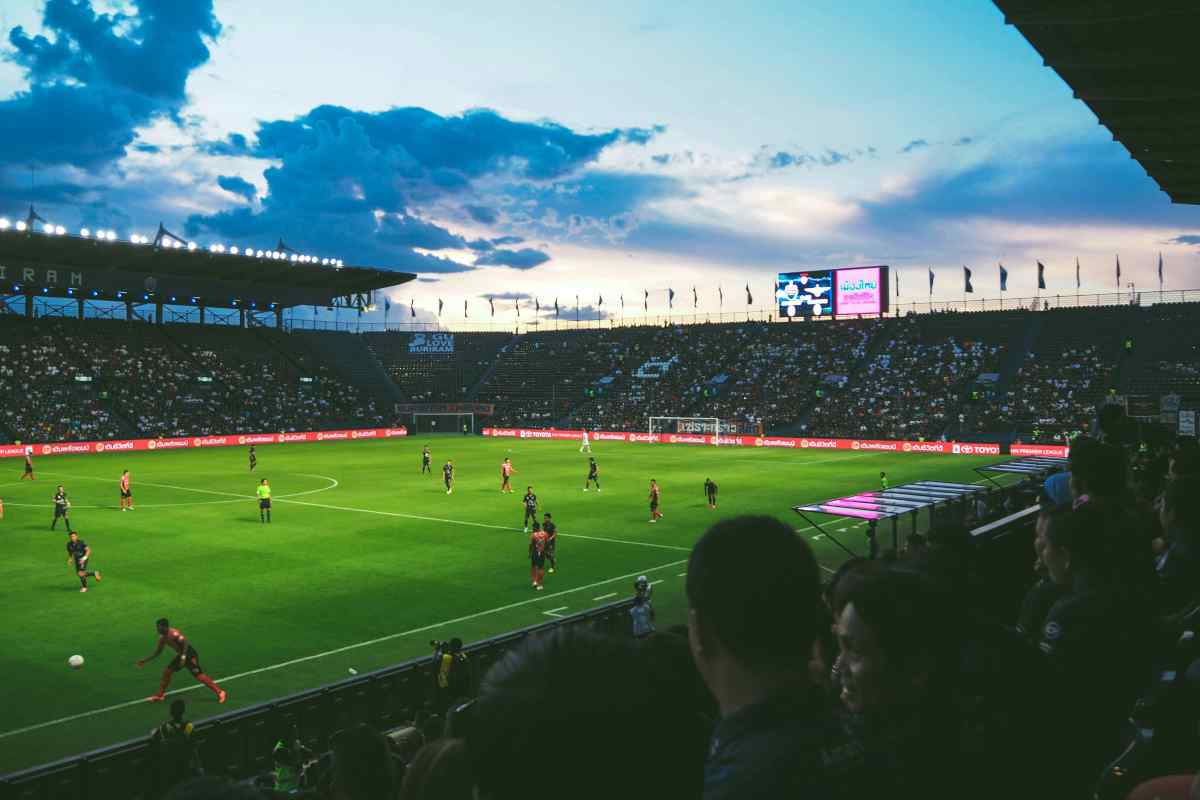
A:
(593, 475)
(710, 491)
(551, 531)
(62, 508)
(253, 459)
(78, 554)
(506, 473)
(655, 514)
(185, 657)
(448, 476)
(529, 502)
(28, 473)
(537, 555)
(426, 460)
(126, 492)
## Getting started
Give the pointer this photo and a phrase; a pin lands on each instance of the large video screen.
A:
(817, 293)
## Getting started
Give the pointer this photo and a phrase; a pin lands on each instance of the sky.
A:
(549, 150)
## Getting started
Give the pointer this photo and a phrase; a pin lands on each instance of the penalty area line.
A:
(345, 649)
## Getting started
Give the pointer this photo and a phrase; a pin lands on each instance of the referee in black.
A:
(62, 508)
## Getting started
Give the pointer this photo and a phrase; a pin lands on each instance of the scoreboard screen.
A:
(817, 293)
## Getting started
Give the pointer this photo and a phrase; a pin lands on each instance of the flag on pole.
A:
(749, 297)
(600, 302)
(387, 304)
(670, 298)
(1003, 278)
(931, 281)
(492, 303)
(1160, 275)
(1041, 275)
(967, 287)
(464, 309)
(577, 308)
(439, 306)
(1118, 272)
(556, 308)
(897, 283)
(537, 307)
(721, 297)
(1077, 284)
(517, 306)
(622, 302)
(412, 307)
(695, 298)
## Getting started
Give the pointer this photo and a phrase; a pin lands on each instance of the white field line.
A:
(344, 649)
(554, 612)
(482, 525)
(604, 597)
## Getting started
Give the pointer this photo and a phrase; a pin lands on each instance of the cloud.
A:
(409, 232)
(239, 186)
(962, 141)
(567, 311)
(526, 258)
(97, 78)
(915, 144)
(481, 214)
(771, 159)
(1185, 239)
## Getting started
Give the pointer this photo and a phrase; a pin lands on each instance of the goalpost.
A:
(695, 425)
(433, 422)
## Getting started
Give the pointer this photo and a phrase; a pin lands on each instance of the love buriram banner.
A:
(192, 442)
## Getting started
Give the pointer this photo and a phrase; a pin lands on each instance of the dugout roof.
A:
(1034, 466)
(889, 503)
(1135, 64)
(55, 264)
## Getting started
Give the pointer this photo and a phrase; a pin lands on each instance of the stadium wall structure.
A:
(192, 442)
(802, 443)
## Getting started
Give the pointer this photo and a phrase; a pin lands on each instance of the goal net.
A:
(697, 426)
(429, 422)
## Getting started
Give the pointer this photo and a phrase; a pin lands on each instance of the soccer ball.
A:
(75, 662)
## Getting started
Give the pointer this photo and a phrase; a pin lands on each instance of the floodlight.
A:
(85, 233)
(59, 230)
(4, 224)
(233, 251)
(21, 225)
(191, 246)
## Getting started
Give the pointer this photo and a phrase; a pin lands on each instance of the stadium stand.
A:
(436, 377)
(70, 380)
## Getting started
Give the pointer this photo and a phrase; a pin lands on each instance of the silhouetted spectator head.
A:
(848, 575)
(565, 709)
(362, 765)
(1076, 542)
(752, 590)
(1097, 470)
(1184, 461)
(1180, 509)
(440, 771)
(1113, 425)
(898, 640)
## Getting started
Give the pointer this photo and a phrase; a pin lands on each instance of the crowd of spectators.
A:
(909, 388)
(65, 380)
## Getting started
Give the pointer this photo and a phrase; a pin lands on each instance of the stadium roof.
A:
(218, 277)
(1134, 63)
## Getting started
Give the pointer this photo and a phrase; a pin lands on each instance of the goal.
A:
(709, 426)
(431, 422)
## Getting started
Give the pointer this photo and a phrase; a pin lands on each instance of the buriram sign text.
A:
(804, 443)
(191, 442)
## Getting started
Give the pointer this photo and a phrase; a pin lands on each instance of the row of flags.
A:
(969, 287)
(537, 304)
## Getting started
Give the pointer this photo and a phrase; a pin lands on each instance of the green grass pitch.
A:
(365, 562)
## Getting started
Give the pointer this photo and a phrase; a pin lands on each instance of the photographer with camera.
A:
(450, 672)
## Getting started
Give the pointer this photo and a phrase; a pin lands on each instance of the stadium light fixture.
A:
(21, 226)
(95, 293)
(4, 224)
(85, 233)
(191, 247)
(47, 228)
(258, 253)
(233, 251)
(59, 230)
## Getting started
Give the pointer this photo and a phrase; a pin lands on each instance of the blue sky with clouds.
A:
(564, 148)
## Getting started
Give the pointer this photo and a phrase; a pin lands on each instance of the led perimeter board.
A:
(816, 293)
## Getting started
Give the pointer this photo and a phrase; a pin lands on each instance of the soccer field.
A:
(365, 562)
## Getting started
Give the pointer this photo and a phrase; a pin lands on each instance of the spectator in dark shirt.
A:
(752, 591)
(590, 717)
(1179, 567)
